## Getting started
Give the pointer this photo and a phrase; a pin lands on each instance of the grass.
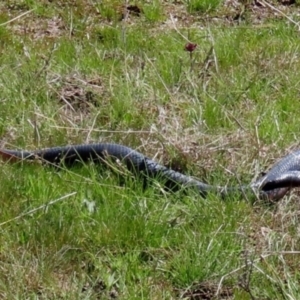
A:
(223, 114)
(203, 6)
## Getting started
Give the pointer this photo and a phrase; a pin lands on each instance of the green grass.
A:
(76, 73)
(202, 6)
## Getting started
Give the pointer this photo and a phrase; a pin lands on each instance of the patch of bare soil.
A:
(100, 289)
(130, 11)
(24, 21)
(255, 12)
(38, 28)
(80, 93)
(207, 291)
(232, 12)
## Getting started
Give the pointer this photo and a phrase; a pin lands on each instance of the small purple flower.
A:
(190, 47)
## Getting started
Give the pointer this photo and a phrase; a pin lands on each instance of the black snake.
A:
(272, 186)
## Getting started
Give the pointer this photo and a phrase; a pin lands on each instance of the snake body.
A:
(274, 185)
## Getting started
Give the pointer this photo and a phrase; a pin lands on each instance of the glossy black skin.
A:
(274, 185)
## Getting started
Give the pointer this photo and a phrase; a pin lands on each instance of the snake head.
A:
(273, 196)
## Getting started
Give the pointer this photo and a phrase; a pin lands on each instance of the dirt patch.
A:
(232, 12)
(100, 289)
(80, 93)
(39, 28)
(255, 12)
(207, 291)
